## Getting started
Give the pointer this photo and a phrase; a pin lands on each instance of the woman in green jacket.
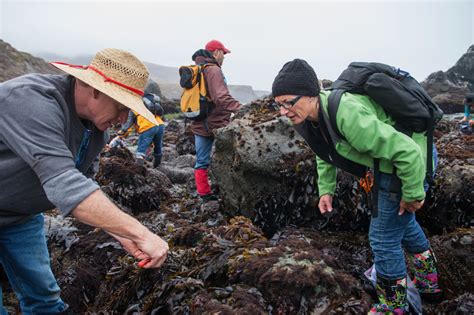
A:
(369, 134)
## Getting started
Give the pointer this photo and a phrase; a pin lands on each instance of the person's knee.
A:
(390, 263)
(381, 244)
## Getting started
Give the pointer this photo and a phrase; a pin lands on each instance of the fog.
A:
(418, 36)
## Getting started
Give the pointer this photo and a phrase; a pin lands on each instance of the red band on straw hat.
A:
(107, 79)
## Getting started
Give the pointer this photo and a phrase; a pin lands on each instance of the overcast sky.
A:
(418, 36)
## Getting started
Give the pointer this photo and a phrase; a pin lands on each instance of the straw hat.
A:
(116, 73)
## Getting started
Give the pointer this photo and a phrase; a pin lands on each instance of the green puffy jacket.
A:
(370, 134)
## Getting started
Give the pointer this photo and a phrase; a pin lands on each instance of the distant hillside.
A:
(449, 88)
(261, 93)
(167, 78)
(171, 90)
(163, 74)
(242, 93)
(77, 60)
(14, 63)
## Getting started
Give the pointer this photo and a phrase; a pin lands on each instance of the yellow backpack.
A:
(195, 103)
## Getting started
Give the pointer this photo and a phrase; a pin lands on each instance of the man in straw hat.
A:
(52, 127)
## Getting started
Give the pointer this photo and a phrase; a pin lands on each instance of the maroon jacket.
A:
(224, 103)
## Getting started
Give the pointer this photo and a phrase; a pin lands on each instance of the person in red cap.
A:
(223, 105)
(214, 45)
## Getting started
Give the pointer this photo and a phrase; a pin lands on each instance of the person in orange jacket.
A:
(149, 133)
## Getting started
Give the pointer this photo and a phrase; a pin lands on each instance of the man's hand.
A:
(325, 203)
(97, 210)
(151, 251)
(410, 206)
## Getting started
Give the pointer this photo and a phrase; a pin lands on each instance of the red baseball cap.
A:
(215, 44)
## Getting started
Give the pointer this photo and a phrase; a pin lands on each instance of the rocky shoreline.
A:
(279, 257)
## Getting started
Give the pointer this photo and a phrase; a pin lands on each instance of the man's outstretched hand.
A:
(151, 250)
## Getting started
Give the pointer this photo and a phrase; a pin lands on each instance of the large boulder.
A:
(449, 88)
(251, 154)
(265, 171)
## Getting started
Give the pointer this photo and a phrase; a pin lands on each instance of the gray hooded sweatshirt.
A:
(40, 134)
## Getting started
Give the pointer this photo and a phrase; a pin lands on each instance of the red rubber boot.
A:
(202, 182)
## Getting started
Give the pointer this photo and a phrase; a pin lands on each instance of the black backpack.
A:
(152, 102)
(400, 95)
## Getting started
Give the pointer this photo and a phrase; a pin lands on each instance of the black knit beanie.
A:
(296, 77)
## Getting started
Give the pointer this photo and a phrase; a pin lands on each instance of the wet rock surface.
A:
(260, 153)
(135, 187)
(451, 203)
(263, 248)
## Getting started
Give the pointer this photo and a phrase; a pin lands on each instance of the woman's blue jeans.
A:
(389, 233)
(203, 151)
(25, 259)
(155, 135)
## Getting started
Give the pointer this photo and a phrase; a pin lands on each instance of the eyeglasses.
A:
(286, 104)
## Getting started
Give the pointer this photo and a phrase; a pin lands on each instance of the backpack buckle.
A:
(401, 74)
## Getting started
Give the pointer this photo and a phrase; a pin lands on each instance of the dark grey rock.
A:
(449, 88)
(251, 157)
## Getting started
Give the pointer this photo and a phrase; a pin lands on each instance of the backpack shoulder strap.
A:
(333, 105)
(204, 65)
(429, 149)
